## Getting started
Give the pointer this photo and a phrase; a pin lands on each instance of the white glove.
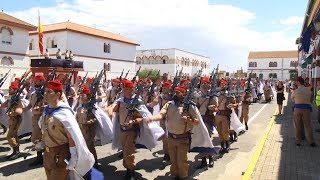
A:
(74, 158)
(39, 145)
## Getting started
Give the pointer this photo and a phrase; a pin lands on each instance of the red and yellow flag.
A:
(40, 32)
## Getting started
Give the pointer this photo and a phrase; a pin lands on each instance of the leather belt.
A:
(179, 136)
(56, 148)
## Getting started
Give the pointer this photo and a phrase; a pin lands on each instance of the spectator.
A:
(302, 111)
(280, 95)
(71, 55)
(66, 55)
(46, 54)
(58, 54)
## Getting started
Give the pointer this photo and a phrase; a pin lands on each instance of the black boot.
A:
(222, 148)
(231, 137)
(246, 126)
(130, 175)
(15, 154)
(211, 162)
(120, 156)
(4, 129)
(203, 163)
(38, 160)
(227, 147)
(235, 137)
(166, 157)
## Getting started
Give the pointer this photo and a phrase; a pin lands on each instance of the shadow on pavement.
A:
(18, 167)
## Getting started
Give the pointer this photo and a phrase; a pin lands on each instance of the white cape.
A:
(235, 123)
(104, 128)
(26, 123)
(3, 116)
(66, 116)
(200, 139)
(149, 132)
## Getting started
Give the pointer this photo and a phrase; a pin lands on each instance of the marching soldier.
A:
(245, 108)
(205, 106)
(37, 109)
(267, 91)
(15, 119)
(129, 127)
(62, 138)
(179, 126)
(112, 91)
(163, 99)
(87, 122)
(222, 118)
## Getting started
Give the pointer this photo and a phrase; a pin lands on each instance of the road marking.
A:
(257, 113)
(252, 164)
(17, 160)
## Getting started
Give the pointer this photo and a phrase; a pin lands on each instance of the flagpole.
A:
(38, 33)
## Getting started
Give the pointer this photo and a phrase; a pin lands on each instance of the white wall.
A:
(282, 69)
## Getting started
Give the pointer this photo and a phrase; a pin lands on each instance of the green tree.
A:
(154, 74)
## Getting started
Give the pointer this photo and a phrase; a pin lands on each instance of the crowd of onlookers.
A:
(68, 54)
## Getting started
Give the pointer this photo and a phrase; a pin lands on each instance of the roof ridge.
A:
(17, 19)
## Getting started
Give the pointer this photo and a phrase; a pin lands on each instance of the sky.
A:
(224, 30)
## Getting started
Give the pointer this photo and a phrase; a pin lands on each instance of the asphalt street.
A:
(149, 163)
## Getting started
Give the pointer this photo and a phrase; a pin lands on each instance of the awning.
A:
(307, 61)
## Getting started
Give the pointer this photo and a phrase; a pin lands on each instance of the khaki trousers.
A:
(245, 113)
(222, 123)
(89, 132)
(12, 136)
(304, 116)
(128, 140)
(36, 131)
(53, 162)
(164, 137)
(178, 150)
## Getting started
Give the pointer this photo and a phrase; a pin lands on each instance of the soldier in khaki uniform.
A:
(179, 126)
(245, 108)
(87, 122)
(111, 92)
(129, 127)
(222, 118)
(205, 106)
(163, 99)
(14, 121)
(37, 109)
(301, 99)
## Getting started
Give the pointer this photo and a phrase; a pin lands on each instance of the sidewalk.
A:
(280, 158)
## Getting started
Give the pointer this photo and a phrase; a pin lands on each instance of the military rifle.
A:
(82, 81)
(151, 90)
(134, 103)
(4, 78)
(40, 91)
(213, 81)
(127, 74)
(135, 76)
(175, 83)
(93, 91)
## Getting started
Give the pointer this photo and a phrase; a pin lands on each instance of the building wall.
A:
(89, 49)
(282, 69)
(17, 51)
(175, 60)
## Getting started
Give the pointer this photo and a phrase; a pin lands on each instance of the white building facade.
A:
(14, 53)
(172, 60)
(92, 46)
(280, 65)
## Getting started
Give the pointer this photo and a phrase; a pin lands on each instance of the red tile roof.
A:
(273, 54)
(12, 21)
(85, 30)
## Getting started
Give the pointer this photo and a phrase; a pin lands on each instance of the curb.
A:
(252, 164)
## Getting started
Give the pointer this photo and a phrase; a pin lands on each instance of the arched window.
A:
(253, 75)
(54, 43)
(7, 61)
(106, 48)
(274, 75)
(275, 64)
(31, 45)
(49, 43)
(6, 35)
(260, 76)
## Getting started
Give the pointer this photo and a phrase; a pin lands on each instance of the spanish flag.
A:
(40, 32)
